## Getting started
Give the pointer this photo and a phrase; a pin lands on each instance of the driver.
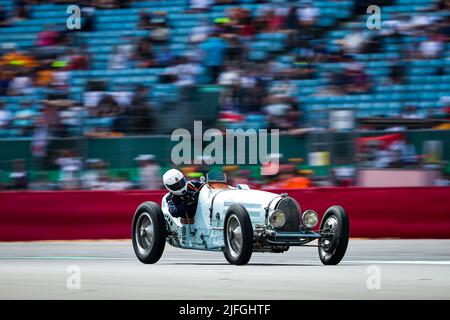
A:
(183, 197)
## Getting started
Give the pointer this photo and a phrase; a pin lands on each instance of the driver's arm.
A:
(195, 184)
(176, 208)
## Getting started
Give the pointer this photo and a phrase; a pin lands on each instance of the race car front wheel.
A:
(238, 235)
(335, 230)
(149, 232)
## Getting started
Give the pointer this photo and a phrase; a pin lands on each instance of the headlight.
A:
(310, 219)
(277, 218)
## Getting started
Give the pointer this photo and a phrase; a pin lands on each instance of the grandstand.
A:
(427, 80)
(331, 62)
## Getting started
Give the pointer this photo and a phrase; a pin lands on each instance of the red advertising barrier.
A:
(70, 215)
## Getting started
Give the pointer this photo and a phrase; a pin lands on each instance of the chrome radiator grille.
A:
(293, 214)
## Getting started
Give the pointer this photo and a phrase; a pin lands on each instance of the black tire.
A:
(332, 249)
(236, 213)
(149, 251)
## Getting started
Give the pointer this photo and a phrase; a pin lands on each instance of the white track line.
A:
(431, 262)
(63, 258)
(409, 262)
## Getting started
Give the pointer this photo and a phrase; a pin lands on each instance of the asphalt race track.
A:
(407, 269)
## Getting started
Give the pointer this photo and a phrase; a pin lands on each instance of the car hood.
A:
(230, 196)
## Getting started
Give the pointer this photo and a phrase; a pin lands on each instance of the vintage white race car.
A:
(239, 221)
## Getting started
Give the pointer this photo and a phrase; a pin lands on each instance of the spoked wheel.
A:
(238, 235)
(335, 230)
(149, 232)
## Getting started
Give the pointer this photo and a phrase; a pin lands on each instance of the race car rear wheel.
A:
(335, 230)
(149, 232)
(238, 235)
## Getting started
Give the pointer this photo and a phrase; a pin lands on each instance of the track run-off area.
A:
(371, 269)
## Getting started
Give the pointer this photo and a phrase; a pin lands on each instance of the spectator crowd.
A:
(219, 51)
(259, 58)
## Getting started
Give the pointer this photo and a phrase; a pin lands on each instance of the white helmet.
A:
(175, 182)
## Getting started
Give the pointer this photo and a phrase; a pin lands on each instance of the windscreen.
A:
(216, 176)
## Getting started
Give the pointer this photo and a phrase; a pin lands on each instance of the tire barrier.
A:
(420, 212)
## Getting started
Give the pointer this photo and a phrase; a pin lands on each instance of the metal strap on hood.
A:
(212, 203)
